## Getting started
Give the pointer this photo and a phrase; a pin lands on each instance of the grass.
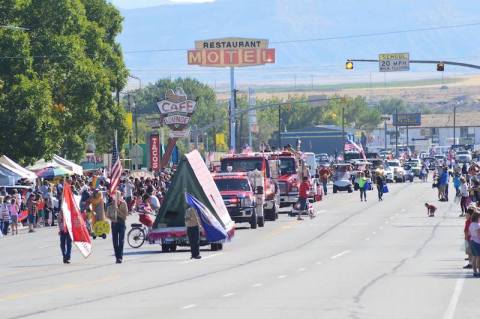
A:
(361, 85)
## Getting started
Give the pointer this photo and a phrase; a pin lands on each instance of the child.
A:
(430, 210)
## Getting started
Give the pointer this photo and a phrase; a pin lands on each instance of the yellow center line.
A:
(18, 295)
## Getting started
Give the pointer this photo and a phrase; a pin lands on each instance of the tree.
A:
(70, 59)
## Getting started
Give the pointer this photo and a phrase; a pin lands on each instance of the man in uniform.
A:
(193, 231)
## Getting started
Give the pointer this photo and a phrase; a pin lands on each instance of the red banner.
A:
(155, 152)
(75, 224)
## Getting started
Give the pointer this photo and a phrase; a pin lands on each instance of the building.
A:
(435, 130)
(318, 139)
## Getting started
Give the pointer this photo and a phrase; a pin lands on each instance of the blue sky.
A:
(131, 4)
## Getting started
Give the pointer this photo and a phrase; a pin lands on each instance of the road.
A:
(355, 260)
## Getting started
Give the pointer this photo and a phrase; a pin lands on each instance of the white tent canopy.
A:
(17, 169)
(77, 169)
(7, 177)
(41, 164)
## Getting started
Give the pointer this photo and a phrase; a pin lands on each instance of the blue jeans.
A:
(324, 187)
(65, 245)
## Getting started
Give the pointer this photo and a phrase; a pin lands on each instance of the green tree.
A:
(70, 52)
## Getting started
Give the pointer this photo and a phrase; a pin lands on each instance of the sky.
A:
(132, 4)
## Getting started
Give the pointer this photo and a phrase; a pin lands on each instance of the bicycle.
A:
(140, 231)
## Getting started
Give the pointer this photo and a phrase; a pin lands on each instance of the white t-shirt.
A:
(154, 202)
(473, 232)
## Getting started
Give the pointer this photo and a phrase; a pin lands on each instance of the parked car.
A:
(463, 157)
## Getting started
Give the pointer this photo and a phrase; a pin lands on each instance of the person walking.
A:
(379, 182)
(362, 183)
(303, 197)
(117, 211)
(65, 240)
(32, 212)
(474, 233)
(4, 215)
(324, 176)
(443, 183)
(193, 232)
(14, 209)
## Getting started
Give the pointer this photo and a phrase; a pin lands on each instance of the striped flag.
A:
(117, 170)
(351, 146)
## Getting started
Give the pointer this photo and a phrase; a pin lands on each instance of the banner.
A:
(155, 152)
(75, 224)
(214, 231)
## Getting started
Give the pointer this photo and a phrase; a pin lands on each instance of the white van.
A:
(311, 161)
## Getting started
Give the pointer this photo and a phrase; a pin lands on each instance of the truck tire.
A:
(253, 221)
(335, 190)
(165, 248)
(261, 221)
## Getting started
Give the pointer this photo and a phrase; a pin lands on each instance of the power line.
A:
(340, 37)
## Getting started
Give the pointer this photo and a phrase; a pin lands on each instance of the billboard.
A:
(231, 52)
(407, 119)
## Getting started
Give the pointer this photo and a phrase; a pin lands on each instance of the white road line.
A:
(198, 260)
(340, 254)
(373, 233)
(381, 227)
(368, 238)
(258, 284)
(189, 306)
(47, 246)
(230, 294)
(282, 277)
(318, 262)
(450, 312)
(302, 269)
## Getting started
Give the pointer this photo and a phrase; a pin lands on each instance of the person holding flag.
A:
(65, 240)
(117, 208)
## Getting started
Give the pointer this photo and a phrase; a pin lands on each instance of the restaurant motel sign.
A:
(231, 52)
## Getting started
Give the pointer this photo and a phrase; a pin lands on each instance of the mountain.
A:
(176, 27)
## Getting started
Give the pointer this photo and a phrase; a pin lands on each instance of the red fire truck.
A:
(269, 167)
(288, 179)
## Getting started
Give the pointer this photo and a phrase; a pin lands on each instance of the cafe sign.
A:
(176, 111)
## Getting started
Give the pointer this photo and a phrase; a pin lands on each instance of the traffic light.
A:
(349, 65)
(440, 67)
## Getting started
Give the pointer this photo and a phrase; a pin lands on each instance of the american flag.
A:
(117, 169)
(351, 146)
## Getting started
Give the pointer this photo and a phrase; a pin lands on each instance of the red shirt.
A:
(467, 225)
(304, 190)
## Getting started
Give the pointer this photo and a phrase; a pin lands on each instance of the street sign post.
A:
(393, 62)
(232, 53)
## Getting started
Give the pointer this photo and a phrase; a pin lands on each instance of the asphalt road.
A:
(354, 260)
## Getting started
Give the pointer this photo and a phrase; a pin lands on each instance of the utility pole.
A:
(408, 148)
(396, 132)
(454, 124)
(233, 106)
(343, 131)
(279, 126)
(385, 118)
